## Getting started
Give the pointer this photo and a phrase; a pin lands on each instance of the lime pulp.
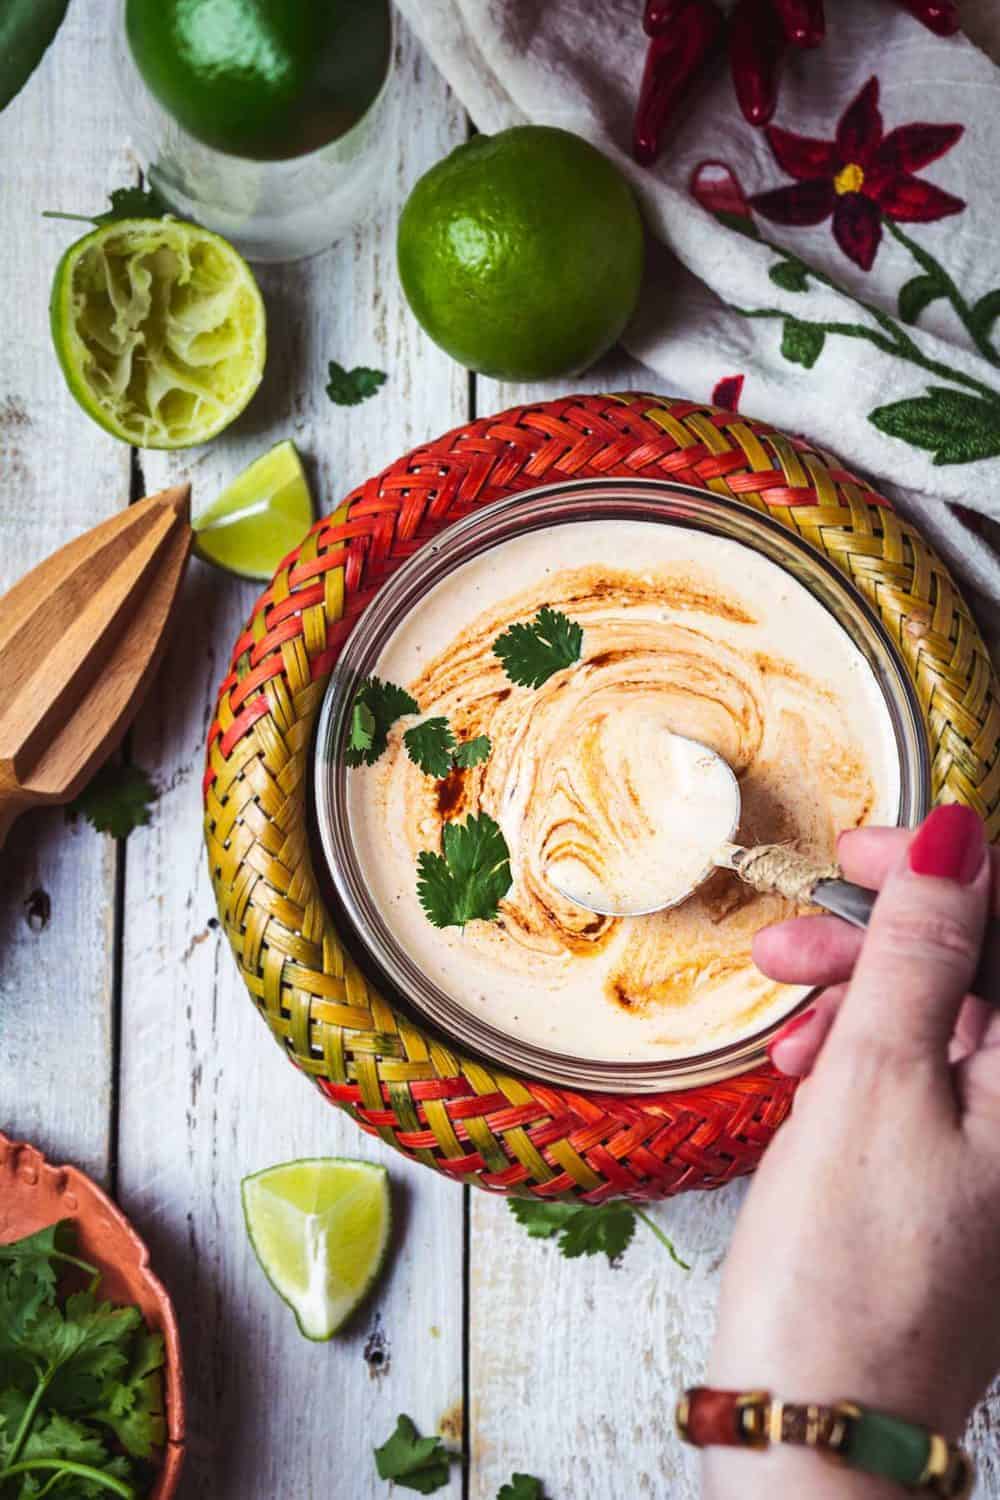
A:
(320, 1229)
(159, 327)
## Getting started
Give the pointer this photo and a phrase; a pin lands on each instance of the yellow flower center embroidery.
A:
(849, 179)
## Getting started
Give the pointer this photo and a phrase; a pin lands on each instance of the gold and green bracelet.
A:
(871, 1441)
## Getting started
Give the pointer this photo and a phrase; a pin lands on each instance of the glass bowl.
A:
(374, 945)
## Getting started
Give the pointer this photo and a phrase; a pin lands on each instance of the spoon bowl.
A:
(686, 835)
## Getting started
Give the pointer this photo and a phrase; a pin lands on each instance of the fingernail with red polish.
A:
(950, 843)
(795, 1024)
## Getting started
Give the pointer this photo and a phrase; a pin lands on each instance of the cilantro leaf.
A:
(362, 731)
(414, 1462)
(385, 702)
(532, 652)
(116, 801)
(469, 880)
(133, 1406)
(126, 203)
(585, 1230)
(521, 1487)
(581, 1230)
(351, 387)
(470, 753)
(430, 746)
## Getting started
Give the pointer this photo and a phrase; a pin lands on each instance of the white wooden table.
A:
(127, 1041)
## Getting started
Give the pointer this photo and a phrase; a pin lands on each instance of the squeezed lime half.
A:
(259, 518)
(160, 331)
(320, 1229)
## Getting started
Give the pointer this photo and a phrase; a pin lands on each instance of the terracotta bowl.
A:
(33, 1195)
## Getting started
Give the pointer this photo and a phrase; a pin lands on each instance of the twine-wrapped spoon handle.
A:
(772, 867)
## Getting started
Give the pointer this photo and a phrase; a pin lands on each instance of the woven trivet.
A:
(404, 1084)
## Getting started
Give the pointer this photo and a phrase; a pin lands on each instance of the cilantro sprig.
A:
(414, 1462)
(531, 653)
(422, 1464)
(470, 878)
(126, 203)
(377, 705)
(117, 800)
(580, 1229)
(431, 744)
(81, 1388)
(351, 387)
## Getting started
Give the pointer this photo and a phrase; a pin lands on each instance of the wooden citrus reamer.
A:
(80, 638)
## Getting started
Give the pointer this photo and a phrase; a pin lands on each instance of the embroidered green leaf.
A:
(801, 343)
(469, 880)
(917, 294)
(740, 223)
(430, 746)
(957, 428)
(472, 752)
(790, 275)
(532, 652)
(985, 313)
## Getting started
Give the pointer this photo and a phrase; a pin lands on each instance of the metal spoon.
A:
(853, 903)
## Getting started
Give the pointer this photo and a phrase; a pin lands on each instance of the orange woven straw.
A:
(455, 1114)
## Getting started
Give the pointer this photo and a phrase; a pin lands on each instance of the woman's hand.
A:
(866, 1261)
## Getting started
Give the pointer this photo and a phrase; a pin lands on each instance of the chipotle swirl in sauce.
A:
(682, 632)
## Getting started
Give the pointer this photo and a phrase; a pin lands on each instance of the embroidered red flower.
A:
(728, 391)
(860, 177)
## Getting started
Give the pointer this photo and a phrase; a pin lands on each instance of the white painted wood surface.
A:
(570, 1367)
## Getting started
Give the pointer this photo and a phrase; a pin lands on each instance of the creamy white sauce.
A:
(683, 632)
(684, 807)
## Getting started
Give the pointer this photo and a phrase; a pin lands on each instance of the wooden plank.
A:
(576, 1385)
(206, 1098)
(60, 474)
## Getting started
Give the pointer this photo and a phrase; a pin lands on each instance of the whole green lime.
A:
(266, 79)
(521, 253)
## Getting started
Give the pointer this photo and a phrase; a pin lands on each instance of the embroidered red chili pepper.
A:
(803, 20)
(674, 57)
(756, 49)
(683, 32)
(939, 16)
(659, 13)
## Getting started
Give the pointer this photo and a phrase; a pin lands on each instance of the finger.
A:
(798, 1044)
(866, 855)
(808, 950)
(923, 941)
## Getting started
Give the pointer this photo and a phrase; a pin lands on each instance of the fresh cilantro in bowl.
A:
(81, 1383)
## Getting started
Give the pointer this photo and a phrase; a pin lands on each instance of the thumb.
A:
(923, 942)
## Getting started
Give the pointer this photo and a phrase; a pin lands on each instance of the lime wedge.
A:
(320, 1229)
(259, 518)
(159, 328)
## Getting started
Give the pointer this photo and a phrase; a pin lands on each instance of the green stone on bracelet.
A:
(880, 1444)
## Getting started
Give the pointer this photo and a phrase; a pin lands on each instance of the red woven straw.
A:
(461, 1116)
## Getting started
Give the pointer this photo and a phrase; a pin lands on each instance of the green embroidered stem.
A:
(899, 347)
(938, 276)
(897, 341)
